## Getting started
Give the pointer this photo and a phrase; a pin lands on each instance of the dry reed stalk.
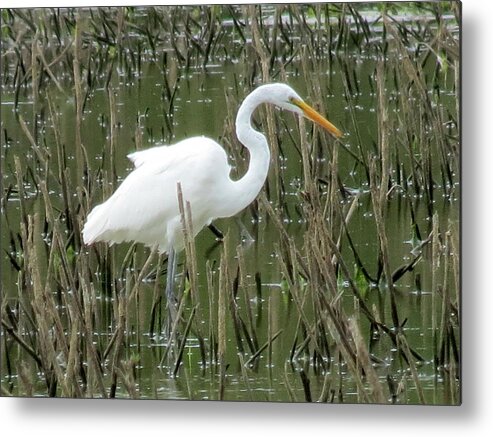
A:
(378, 211)
(333, 195)
(326, 388)
(445, 326)
(211, 292)
(269, 334)
(404, 347)
(350, 358)
(224, 290)
(266, 345)
(299, 297)
(156, 300)
(250, 331)
(20, 188)
(25, 346)
(51, 365)
(282, 231)
(37, 53)
(224, 286)
(26, 384)
(120, 19)
(188, 235)
(264, 58)
(453, 235)
(81, 317)
(435, 265)
(309, 186)
(173, 332)
(113, 135)
(306, 385)
(409, 67)
(191, 260)
(61, 158)
(245, 376)
(73, 359)
(127, 377)
(35, 76)
(348, 277)
(236, 317)
(183, 342)
(119, 343)
(383, 144)
(287, 384)
(364, 360)
(144, 271)
(78, 92)
(41, 154)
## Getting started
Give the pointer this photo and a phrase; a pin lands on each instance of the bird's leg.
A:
(170, 285)
(246, 237)
(217, 232)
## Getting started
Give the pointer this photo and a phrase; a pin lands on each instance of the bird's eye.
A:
(294, 101)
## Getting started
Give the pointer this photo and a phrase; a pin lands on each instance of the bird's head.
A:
(285, 97)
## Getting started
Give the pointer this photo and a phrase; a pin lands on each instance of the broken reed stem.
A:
(266, 345)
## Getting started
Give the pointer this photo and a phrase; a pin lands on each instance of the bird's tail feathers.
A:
(95, 224)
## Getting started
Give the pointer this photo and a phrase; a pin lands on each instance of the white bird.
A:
(145, 207)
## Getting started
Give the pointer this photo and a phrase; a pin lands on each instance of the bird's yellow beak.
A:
(314, 116)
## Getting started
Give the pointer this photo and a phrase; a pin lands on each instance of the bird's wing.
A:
(146, 201)
(149, 155)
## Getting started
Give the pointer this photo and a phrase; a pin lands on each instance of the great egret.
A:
(145, 207)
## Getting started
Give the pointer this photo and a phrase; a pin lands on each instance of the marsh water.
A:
(139, 108)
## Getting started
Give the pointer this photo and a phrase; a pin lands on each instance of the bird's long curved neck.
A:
(247, 188)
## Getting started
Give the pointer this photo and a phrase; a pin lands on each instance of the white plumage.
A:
(145, 207)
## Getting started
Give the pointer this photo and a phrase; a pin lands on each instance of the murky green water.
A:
(200, 108)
